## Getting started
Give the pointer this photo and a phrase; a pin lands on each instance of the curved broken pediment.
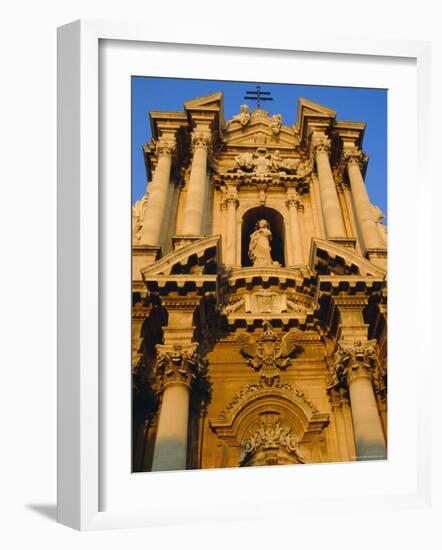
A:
(328, 258)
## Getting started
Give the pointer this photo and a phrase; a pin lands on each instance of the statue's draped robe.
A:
(259, 247)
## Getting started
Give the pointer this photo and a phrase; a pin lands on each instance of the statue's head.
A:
(262, 224)
(244, 109)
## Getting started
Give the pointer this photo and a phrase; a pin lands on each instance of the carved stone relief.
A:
(269, 354)
(138, 211)
(243, 117)
(263, 163)
(265, 301)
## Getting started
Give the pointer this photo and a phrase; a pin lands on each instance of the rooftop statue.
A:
(243, 117)
(276, 124)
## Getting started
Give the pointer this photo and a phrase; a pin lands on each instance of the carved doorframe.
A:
(294, 422)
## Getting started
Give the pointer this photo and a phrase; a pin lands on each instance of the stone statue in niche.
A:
(259, 246)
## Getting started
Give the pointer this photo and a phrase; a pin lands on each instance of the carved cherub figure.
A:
(243, 117)
(276, 124)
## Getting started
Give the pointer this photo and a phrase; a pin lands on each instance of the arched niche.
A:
(276, 221)
(270, 422)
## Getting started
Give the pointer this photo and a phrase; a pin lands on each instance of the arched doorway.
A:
(276, 221)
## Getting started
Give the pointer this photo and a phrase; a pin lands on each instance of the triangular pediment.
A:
(307, 107)
(211, 102)
(313, 117)
(259, 132)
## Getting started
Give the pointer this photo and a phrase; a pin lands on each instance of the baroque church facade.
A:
(259, 293)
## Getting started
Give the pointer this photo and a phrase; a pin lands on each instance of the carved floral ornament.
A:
(270, 436)
(269, 354)
(352, 360)
(251, 390)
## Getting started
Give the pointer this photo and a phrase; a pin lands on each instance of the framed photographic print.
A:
(224, 277)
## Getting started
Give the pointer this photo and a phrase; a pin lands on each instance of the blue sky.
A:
(356, 104)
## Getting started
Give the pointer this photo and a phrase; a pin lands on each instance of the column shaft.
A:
(295, 232)
(156, 206)
(231, 232)
(367, 426)
(363, 207)
(196, 191)
(331, 208)
(171, 441)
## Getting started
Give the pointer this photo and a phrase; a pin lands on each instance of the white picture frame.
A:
(80, 444)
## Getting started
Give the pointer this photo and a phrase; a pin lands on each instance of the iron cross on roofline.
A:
(257, 94)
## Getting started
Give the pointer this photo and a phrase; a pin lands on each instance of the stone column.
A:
(362, 205)
(177, 366)
(354, 364)
(196, 190)
(232, 205)
(331, 208)
(158, 193)
(293, 204)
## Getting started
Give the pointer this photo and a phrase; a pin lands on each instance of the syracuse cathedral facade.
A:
(259, 292)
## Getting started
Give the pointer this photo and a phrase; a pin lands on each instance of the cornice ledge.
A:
(181, 255)
(366, 267)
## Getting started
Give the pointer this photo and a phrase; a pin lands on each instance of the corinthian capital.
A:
(232, 200)
(201, 139)
(165, 148)
(321, 145)
(179, 364)
(293, 200)
(356, 156)
(353, 360)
